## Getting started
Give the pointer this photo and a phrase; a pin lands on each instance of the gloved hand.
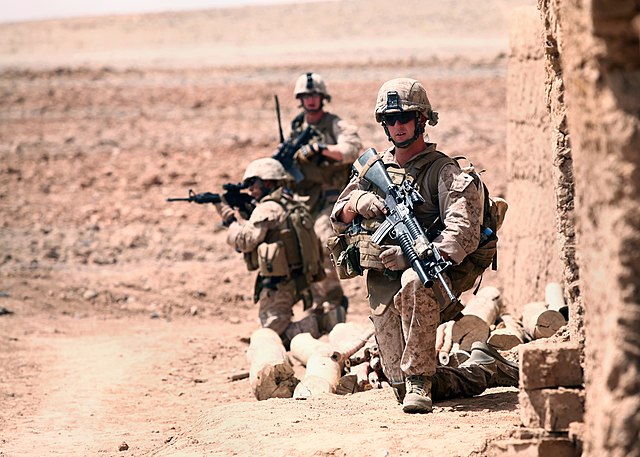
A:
(393, 259)
(366, 203)
(227, 214)
(308, 151)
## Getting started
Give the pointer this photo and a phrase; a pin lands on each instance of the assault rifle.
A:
(287, 149)
(233, 196)
(400, 223)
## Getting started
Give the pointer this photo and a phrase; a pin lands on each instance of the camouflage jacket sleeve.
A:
(461, 210)
(347, 139)
(245, 236)
(338, 225)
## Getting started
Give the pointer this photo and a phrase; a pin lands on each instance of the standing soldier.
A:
(325, 163)
(406, 314)
(278, 240)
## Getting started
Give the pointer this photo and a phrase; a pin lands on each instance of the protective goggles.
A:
(403, 117)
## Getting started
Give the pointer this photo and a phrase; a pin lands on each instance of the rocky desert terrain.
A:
(123, 316)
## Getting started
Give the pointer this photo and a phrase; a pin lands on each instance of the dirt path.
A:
(94, 383)
(159, 387)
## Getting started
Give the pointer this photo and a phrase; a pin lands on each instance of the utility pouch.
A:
(344, 257)
(251, 260)
(272, 259)
(369, 252)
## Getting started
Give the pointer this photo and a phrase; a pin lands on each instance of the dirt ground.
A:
(125, 314)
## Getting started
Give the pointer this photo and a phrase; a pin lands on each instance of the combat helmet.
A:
(266, 169)
(311, 83)
(404, 94)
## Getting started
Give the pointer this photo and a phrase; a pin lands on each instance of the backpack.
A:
(464, 275)
(304, 253)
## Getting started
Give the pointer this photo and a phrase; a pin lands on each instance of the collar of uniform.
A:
(389, 156)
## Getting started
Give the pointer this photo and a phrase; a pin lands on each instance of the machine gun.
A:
(400, 223)
(232, 195)
(287, 149)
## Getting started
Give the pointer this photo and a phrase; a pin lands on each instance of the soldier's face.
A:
(400, 131)
(255, 188)
(311, 102)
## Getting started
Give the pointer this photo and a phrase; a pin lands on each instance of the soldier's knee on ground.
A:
(330, 315)
(308, 324)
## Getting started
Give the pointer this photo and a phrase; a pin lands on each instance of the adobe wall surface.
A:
(563, 174)
(599, 56)
(529, 251)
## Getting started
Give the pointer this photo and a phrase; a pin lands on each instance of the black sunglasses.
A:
(403, 117)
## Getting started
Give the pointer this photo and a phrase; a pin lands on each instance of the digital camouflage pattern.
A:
(324, 179)
(276, 300)
(405, 313)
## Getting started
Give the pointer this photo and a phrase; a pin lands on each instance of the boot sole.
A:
(419, 405)
(496, 355)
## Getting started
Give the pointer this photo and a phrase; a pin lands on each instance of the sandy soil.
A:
(127, 313)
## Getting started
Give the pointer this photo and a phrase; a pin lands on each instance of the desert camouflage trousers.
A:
(406, 330)
(276, 310)
(329, 289)
(406, 337)
(276, 306)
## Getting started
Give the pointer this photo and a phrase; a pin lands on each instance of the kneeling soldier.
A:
(278, 240)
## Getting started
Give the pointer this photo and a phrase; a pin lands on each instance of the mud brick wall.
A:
(599, 61)
(564, 180)
(529, 251)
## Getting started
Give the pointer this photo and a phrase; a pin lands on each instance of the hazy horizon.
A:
(35, 10)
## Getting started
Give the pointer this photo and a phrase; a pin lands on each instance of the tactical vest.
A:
(295, 251)
(360, 253)
(324, 178)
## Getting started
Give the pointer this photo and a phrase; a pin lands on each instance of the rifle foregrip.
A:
(407, 248)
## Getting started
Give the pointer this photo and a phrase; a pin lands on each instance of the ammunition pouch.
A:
(352, 254)
(272, 259)
(368, 250)
(345, 257)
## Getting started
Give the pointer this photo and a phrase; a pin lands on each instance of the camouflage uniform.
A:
(276, 295)
(324, 178)
(405, 313)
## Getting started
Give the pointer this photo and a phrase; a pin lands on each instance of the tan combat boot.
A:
(418, 396)
(503, 372)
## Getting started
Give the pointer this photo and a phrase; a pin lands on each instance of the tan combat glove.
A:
(393, 258)
(366, 203)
